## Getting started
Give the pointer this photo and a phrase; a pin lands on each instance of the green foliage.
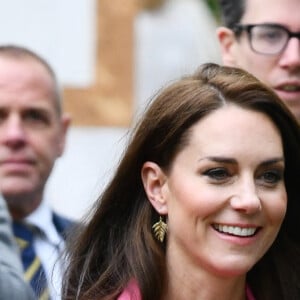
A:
(214, 7)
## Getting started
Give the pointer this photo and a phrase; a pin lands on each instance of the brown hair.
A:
(117, 244)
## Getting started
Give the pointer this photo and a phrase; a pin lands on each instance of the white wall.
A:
(80, 175)
(170, 42)
(62, 31)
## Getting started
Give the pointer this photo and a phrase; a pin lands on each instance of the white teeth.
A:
(235, 230)
(291, 88)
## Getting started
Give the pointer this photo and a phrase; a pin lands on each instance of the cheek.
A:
(276, 209)
(192, 200)
(258, 65)
(47, 147)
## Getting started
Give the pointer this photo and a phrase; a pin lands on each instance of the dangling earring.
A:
(160, 229)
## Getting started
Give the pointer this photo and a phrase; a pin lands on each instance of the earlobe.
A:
(227, 40)
(154, 180)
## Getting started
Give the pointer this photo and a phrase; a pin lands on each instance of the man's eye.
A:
(36, 117)
(3, 115)
(217, 173)
(271, 36)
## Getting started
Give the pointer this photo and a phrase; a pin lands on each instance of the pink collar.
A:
(249, 293)
(132, 292)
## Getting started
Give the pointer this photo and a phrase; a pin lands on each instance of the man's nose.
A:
(290, 57)
(246, 199)
(13, 132)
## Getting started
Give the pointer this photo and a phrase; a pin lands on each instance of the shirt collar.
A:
(42, 218)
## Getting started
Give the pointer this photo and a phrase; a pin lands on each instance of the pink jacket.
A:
(132, 292)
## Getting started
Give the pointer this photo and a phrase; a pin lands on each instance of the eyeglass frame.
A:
(239, 28)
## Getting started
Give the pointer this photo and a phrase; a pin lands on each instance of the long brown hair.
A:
(117, 243)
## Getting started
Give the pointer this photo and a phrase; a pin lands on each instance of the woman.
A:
(198, 206)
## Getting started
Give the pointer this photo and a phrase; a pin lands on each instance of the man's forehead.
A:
(25, 84)
(22, 105)
(14, 73)
(285, 12)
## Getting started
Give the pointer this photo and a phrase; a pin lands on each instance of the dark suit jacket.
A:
(63, 225)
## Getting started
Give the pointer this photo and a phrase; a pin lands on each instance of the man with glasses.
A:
(263, 37)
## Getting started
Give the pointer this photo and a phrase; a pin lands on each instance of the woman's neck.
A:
(205, 290)
(197, 284)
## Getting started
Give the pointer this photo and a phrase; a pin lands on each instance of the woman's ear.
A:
(154, 181)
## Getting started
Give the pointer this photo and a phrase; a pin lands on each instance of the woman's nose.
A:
(246, 199)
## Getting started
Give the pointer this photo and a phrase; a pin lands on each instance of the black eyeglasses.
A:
(268, 39)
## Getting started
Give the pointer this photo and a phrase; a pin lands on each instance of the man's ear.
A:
(227, 41)
(64, 126)
(154, 181)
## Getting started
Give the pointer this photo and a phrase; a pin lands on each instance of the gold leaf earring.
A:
(160, 229)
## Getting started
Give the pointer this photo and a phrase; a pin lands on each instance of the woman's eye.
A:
(217, 173)
(271, 177)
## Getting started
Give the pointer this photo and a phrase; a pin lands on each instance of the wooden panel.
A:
(109, 101)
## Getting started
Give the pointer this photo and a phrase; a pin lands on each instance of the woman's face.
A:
(224, 196)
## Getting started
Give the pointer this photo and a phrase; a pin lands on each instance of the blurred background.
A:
(110, 57)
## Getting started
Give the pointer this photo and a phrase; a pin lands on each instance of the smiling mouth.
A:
(236, 230)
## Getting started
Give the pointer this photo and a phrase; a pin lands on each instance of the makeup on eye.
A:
(220, 169)
(217, 173)
(216, 168)
(271, 177)
(271, 172)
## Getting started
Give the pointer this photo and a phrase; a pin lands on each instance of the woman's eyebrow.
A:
(220, 159)
(273, 161)
(228, 160)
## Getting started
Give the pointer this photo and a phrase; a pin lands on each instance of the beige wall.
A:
(109, 100)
